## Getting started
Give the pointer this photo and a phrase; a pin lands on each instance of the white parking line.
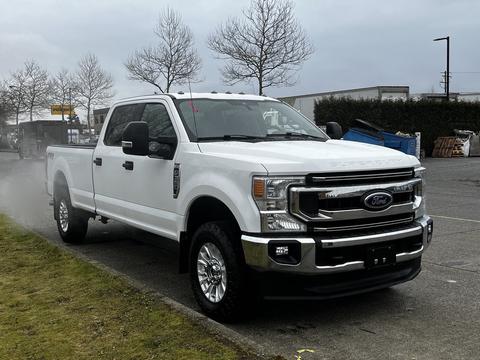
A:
(453, 218)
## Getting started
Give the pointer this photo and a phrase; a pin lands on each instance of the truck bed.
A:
(75, 161)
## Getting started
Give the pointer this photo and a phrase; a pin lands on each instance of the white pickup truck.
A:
(257, 196)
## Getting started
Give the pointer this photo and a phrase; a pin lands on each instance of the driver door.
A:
(146, 194)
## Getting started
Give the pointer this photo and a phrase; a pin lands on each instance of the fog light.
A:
(285, 251)
(281, 250)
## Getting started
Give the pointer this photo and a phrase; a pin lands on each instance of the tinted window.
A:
(159, 124)
(121, 116)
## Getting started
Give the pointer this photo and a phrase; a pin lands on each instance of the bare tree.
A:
(173, 60)
(36, 88)
(267, 44)
(6, 108)
(94, 85)
(15, 88)
(63, 89)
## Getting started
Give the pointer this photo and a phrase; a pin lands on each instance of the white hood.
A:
(302, 157)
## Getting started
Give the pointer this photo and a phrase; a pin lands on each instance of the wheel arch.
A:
(203, 209)
(59, 182)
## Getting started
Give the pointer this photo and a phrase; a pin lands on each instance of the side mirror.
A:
(135, 138)
(334, 130)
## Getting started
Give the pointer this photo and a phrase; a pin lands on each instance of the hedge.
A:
(431, 118)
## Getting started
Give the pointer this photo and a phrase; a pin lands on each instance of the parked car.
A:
(258, 198)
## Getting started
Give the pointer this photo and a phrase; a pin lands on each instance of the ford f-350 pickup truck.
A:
(256, 195)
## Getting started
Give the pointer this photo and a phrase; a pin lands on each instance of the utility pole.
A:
(443, 82)
(447, 77)
(70, 110)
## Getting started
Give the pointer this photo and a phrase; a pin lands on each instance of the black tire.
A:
(234, 301)
(77, 223)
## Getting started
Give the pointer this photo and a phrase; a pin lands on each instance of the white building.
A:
(306, 103)
(454, 96)
(469, 96)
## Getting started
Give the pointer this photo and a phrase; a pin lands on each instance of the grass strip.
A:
(55, 306)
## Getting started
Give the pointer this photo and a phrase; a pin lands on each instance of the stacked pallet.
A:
(447, 147)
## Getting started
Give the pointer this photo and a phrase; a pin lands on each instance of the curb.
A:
(212, 326)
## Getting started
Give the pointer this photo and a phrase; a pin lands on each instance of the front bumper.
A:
(256, 249)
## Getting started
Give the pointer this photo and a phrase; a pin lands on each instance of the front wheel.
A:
(71, 224)
(217, 271)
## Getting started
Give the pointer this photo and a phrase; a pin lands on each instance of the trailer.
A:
(36, 136)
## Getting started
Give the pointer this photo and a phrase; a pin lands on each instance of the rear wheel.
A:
(217, 271)
(72, 225)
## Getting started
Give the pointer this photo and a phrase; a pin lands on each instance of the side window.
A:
(121, 116)
(159, 123)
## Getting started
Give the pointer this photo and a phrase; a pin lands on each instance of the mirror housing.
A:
(334, 130)
(135, 138)
(163, 147)
(136, 141)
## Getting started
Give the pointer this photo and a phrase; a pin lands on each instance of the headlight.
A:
(271, 196)
(419, 192)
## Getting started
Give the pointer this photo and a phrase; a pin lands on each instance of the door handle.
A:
(128, 165)
(98, 161)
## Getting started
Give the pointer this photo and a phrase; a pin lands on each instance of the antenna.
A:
(192, 107)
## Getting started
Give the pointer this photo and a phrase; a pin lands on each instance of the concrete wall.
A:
(306, 104)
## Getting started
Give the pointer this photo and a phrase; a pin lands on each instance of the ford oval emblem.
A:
(378, 200)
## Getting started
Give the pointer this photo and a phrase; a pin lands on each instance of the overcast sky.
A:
(358, 43)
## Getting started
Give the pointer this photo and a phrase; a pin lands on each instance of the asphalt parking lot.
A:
(436, 316)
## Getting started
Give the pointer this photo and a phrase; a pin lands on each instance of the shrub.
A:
(431, 118)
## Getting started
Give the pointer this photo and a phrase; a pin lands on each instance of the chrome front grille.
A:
(335, 202)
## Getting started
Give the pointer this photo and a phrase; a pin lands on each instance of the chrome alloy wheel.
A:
(212, 273)
(63, 215)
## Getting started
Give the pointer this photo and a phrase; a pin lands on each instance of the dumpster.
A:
(363, 136)
(405, 144)
(366, 132)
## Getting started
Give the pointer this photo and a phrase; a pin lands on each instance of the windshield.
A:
(208, 119)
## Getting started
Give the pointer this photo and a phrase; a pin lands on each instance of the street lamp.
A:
(447, 77)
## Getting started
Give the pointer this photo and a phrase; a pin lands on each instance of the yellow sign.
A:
(57, 110)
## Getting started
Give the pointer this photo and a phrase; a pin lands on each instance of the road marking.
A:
(453, 218)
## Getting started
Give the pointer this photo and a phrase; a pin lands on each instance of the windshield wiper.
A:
(232, 137)
(298, 135)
